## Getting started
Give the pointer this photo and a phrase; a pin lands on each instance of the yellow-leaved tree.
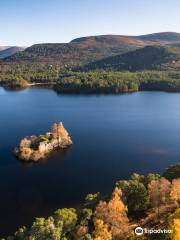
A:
(101, 231)
(175, 225)
(175, 190)
(114, 215)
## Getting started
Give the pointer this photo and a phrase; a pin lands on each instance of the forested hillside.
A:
(47, 63)
(84, 50)
(78, 51)
(147, 58)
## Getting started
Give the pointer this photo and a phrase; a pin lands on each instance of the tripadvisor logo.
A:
(140, 231)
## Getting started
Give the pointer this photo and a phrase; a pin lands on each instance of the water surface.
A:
(113, 135)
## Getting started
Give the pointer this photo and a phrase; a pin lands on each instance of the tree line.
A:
(117, 82)
(67, 81)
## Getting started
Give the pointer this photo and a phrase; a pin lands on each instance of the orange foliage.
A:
(175, 190)
(101, 231)
(114, 215)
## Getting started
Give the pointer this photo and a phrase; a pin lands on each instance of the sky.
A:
(26, 22)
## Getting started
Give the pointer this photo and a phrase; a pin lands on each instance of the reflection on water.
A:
(113, 136)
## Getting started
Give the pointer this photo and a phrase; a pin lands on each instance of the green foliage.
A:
(135, 193)
(172, 172)
(92, 199)
(150, 177)
(99, 82)
(117, 82)
(43, 229)
(67, 218)
(147, 58)
(85, 216)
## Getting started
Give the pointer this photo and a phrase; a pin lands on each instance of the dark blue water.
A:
(113, 135)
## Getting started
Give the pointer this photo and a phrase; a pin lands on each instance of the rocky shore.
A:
(34, 148)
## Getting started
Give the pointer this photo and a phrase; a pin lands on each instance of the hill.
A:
(9, 51)
(147, 58)
(163, 37)
(3, 47)
(42, 63)
(78, 51)
(87, 49)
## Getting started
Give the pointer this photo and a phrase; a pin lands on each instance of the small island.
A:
(34, 148)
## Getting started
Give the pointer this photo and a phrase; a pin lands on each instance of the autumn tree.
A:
(175, 190)
(114, 215)
(175, 225)
(55, 130)
(82, 229)
(25, 143)
(101, 231)
(58, 131)
(159, 192)
(150, 177)
(81, 233)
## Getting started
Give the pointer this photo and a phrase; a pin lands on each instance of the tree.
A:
(175, 190)
(150, 177)
(172, 172)
(92, 200)
(25, 143)
(43, 229)
(175, 225)
(81, 233)
(137, 177)
(25, 153)
(114, 214)
(159, 192)
(135, 194)
(67, 218)
(21, 233)
(101, 231)
(84, 222)
(59, 131)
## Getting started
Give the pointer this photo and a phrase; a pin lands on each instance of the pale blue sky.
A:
(25, 22)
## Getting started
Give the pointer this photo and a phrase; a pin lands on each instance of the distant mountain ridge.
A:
(163, 37)
(79, 51)
(9, 51)
(3, 47)
(84, 50)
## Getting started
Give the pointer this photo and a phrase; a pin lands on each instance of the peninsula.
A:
(34, 148)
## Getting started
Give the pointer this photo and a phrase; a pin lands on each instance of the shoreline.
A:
(40, 84)
(79, 92)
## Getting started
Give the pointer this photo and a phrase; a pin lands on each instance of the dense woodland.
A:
(147, 58)
(118, 82)
(151, 201)
(148, 68)
(101, 64)
(66, 81)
